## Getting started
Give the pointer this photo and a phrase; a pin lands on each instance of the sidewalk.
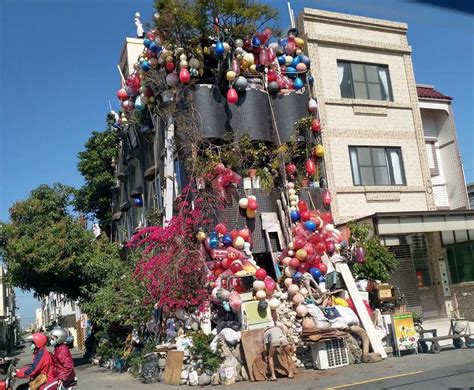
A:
(442, 325)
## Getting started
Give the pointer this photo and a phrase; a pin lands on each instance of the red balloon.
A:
(252, 204)
(184, 76)
(169, 66)
(309, 249)
(234, 233)
(311, 169)
(305, 216)
(294, 263)
(236, 266)
(300, 231)
(232, 96)
(221, 228)
(327, 198)
(290, 169)
(315, 125)
(122, 94)
(303, 268)
(270, 284)
(327, 217)
(261, 274)
(321, 248)
(323, 268)
(302, 206)
(272, 75)
(330, 246)
(299, 242)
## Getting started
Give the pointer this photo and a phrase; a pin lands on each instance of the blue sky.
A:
(58, 72)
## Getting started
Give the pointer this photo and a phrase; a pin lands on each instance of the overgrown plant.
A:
(379, 262)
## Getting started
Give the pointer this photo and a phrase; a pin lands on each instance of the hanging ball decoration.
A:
(301, 254)
(274, 303)
(243, 203)
(310, 79)
(169, 66)
(258, 285)
(301, 68)
(297, 276)
(294, 263)
(295, 216)
(240, 84)
(298, 299)
(315, 125)
(251, 214)
(145, 65)
(323, 268)
(290, 169)
(281, 60)
(230, 75)
(273, 87)
(310, 167)
(238, 242)
(172, 79)
(138, 202)
(315, 273)
(227, 240)
(312, 105)
(201, 236)
(236, 266)
(220, 48)
(238, 42)
(360, 255)
(310, 225)
(293, 289)
(122, 94)
(256, 41)
(298, 83)
(261, 294)
(301, 310)
(261, 274)
(319, 150)
(184, 76)
(327, 198)
(291, 72)
(232, 96)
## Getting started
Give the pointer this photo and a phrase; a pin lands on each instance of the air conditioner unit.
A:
(329, 354)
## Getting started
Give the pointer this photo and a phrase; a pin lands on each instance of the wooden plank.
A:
(173, 368)
(343, 268)
(252, 344)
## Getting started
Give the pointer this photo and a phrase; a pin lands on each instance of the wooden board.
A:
(252, 344)
(367, 323)
(173, 368)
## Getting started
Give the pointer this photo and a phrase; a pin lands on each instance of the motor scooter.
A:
(10, 379)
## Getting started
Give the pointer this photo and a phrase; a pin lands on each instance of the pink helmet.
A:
(39, 339)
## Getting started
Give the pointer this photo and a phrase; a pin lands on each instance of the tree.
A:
(379, 262)
(46, 248)
(96, 166)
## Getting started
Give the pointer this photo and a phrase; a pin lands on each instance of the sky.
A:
(58, 73)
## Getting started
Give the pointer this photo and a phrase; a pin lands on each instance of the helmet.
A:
(60, 335)
(38, 339)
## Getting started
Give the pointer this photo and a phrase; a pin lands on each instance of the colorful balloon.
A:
(232, 96)
(261, 274)
(184, 76)
(295, 216)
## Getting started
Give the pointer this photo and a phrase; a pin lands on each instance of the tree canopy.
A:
(47, 248)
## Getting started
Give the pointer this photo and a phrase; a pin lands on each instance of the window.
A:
(461, 266)
(377, 166)
(432, 158)
(364, 81)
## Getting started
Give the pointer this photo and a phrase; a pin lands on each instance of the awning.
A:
(421, 222)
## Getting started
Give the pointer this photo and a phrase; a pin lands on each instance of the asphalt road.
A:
(451, 369)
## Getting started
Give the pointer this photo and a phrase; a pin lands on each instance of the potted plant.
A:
(265, 179)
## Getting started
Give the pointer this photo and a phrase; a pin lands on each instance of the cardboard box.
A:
(384, 293)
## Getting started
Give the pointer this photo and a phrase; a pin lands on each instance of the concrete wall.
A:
(465, 298)
(345, 122)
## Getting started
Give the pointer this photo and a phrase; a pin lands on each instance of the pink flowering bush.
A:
(173, 264)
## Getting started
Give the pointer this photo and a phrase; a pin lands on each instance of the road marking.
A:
(374, 380)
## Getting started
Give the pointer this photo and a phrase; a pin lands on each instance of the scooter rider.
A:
(63, 370)
(41, 369)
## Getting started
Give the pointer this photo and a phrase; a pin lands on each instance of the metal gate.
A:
(405, 277)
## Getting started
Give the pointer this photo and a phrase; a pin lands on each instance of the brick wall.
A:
(465, 297)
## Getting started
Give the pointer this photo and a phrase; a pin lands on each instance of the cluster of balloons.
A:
(250, 206)
(230, 254)
(222, 177)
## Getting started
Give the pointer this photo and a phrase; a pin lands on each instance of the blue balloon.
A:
(295, 216)
(297, 276)
(138, 202)
(305, 60)
(282, 41)
(145, 65)
(146, 42)
(310, 79)
(315, 273)
(291, 72)
(227, 240)
(295, 61)
(322, 279)
(219, 48)
(298, 83)
(310, 225)
(256, 41)
(281, 60)
(213, 242)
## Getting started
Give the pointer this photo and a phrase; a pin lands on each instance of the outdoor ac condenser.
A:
(329, 354)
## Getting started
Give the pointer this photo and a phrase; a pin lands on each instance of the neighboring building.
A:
(392, 155)
(442, 149)
(470, 194)
(39, 319)
(8, 320)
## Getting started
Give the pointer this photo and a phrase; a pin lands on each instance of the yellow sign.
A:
(405, 335)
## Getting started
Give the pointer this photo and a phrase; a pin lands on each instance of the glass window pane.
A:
(355, 166)
(452, 265)
(464, 264)
(372, 74)
(374, 92)
(447, 237)
(378, 156)
(385, 82)
(364, 156)
(358, 72)
(345, 81)
(397, 168)
(360, 90)
(461, 235)
(367, 174)
(381, 176)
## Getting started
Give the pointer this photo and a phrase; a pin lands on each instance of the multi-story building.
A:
(391, 158)
(470, 194)
(8, 319)
(392, 154)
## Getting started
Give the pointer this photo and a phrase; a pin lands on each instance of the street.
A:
(451, 369)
